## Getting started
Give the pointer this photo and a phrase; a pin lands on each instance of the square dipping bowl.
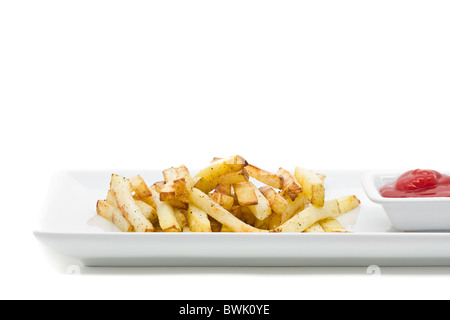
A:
(408, 214)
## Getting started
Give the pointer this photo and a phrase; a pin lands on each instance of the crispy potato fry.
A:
(216, 169)
(214, 210)
(293, 207)
(111, 198)
(181, 217)
(245, 193)
(113, 214)
(224, 188)
(165, 212)
(175, 203)
(276, 201)
(226, 229)
(227, 202)
(348, 203)
(158, 186)
(306, 218)
(148, 211)
(312, 186)
(139, 187)
(266, 177)
(247, 216)
(261, 210)
(121, 187)
(331, 225)
(198, 220)
(232, 178)
(178, 183)
(315, 228)
(290, 185)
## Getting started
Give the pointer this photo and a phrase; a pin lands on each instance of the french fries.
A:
(290, 187)
(220, 167)
(245, 194)
(222, 197)
(270, 179)
(306, 218)
(312, 186)
(208, 205)
(113, 214)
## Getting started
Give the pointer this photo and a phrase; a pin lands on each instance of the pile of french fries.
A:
(223, 197)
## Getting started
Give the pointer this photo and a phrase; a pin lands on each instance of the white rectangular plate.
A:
(69, 225)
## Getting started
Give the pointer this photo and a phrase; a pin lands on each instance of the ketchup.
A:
(418, 184)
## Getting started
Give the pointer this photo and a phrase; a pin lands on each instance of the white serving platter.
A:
(69, 225)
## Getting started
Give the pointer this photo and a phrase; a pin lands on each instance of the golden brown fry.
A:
(315, 228)
(227, 202)
(312, 186)
(198, 220)
(165, 212)
(178, 183)
(216, 169)
(148, 211)
(331, 225)
(293, 207)
(139, 187)
(276, 200)
(306, 218)
(348, 203)
(181, 217)
(245, 193)
(290, 185)
(217, 212)
(224, 188)
(266, 177)
(261, 210)
(113, 214)
(121, 187)
(158, 186)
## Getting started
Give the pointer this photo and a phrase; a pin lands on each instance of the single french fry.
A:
(293, 207)
(312, 186)
(198, 220)
(266, 177)
(204, 202)
(139, 187)
(165, 212)
(232, 178)
(245, 193)
(276, 201)
(148, 211)
(331, 225)
(181, 218)
(348, 203)
(306, 218)
(113, 214)
(290, 185)
(121, 187)
(247, 216)
(226, 229)
(216, 169)
(158, 186)
(224, 188)
(111, 198)
(262, 209)
(227, 202)
(315, 228)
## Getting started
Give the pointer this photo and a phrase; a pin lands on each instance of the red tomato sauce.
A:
(418, 184)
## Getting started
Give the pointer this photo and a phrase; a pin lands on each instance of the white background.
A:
(153, 84)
